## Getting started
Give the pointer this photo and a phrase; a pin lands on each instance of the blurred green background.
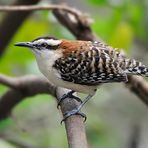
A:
(114, 114)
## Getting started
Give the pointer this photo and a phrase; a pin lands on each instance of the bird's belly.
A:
(54, 77)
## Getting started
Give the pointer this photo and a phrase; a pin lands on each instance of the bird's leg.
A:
(76, 111)
(68, 95)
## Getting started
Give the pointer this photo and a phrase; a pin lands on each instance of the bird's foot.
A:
(73, 112)
(68, 95)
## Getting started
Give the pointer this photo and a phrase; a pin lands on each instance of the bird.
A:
(81, 66)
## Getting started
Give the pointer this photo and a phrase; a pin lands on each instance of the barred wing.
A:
(90, 67)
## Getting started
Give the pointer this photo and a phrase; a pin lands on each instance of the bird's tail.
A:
(134, 67)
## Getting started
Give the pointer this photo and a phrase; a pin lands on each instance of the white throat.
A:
(45, 60)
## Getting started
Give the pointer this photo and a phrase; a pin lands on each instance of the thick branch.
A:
(138, 86)
(74, 125)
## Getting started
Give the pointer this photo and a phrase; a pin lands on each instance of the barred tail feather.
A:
(136, 68)
(141, 70)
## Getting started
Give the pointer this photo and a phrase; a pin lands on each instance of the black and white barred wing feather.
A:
(90, 67)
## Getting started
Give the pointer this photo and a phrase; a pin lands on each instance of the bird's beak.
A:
(24, 44)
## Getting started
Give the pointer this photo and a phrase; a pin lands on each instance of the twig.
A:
(62, 8)
(40, 7)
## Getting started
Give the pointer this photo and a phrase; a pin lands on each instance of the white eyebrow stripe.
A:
(51, 42)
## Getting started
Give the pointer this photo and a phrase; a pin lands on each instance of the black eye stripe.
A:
(52, 47)
(49, 46)
(46, 46)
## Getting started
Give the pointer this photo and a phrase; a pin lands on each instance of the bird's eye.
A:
(43, 44)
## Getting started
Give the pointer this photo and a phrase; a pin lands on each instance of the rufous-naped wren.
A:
(82, 65)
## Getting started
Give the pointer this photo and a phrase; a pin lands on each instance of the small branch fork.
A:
(21, 87)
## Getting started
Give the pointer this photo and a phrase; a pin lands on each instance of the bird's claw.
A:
(73, 112)
(68, 95)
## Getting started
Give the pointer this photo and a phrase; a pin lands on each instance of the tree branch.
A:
(79, 27)
(40, 7)
(139, 87)
(74, 125)
(21, 88)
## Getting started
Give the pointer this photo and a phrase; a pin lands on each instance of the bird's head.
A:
(42, 46)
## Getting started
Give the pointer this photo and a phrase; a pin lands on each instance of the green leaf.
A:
(122, 36)
(105, 26)
(5, 123)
